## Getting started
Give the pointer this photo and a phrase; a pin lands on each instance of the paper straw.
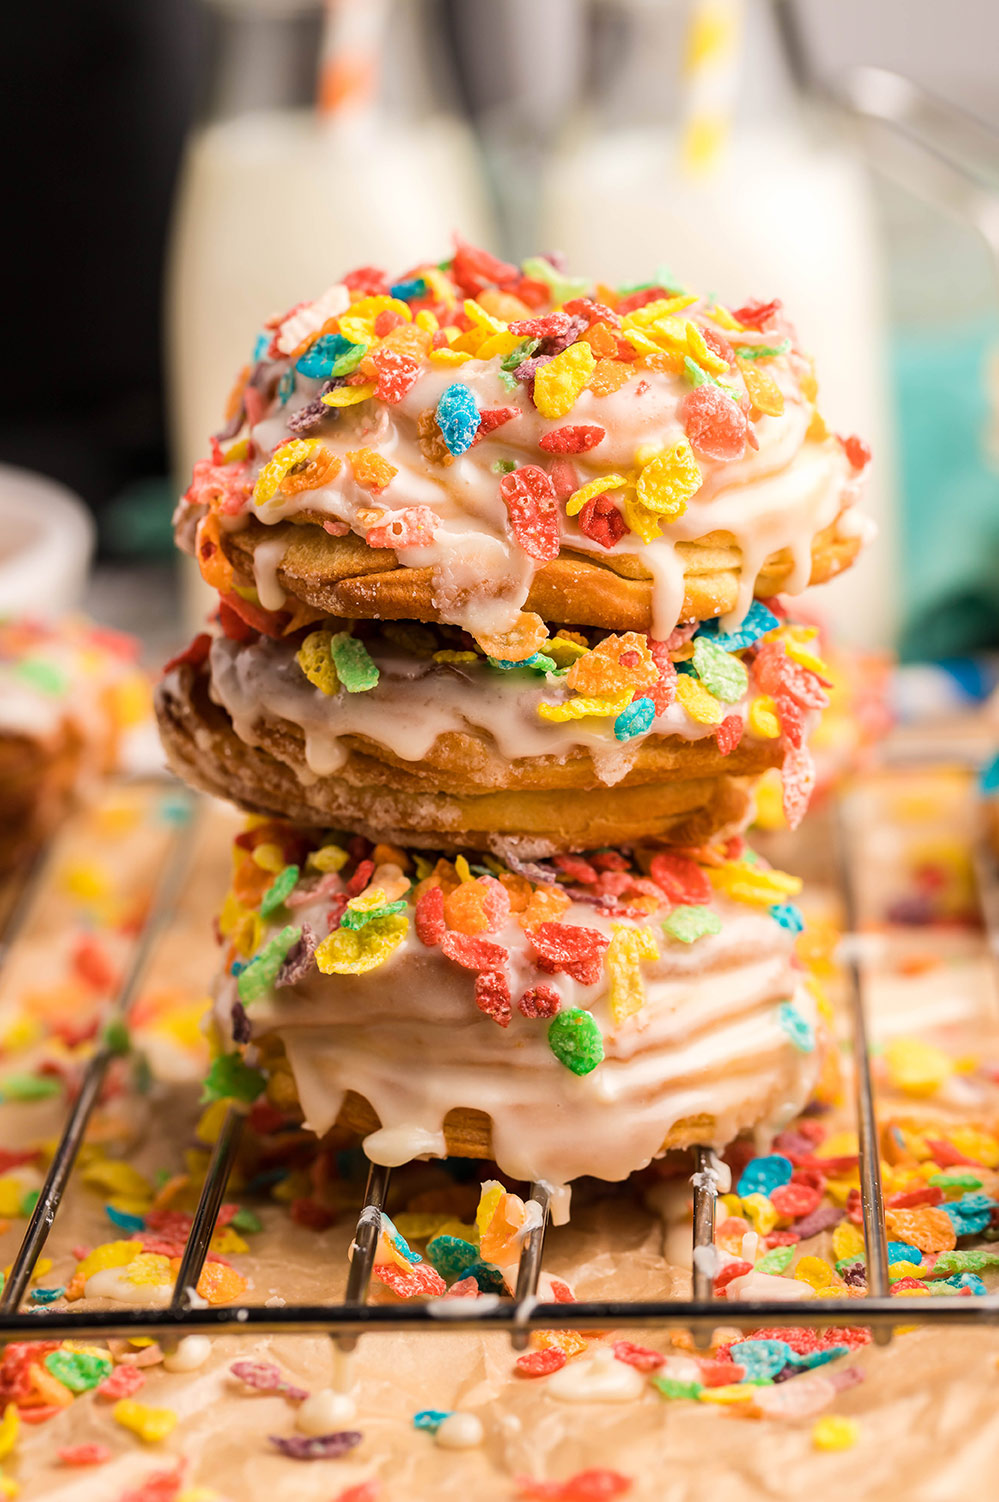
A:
(712, 57)
(353, 38)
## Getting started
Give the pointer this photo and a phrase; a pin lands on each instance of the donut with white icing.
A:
(495, 447)
(701, 1015)
(436, 745)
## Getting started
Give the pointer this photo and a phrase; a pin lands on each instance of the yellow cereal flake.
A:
(327, 858)
(917, 1067)
(699, 704)
(559, 383)
(764, 392)
(298, 451)
(746, 883)
(586, 492)
(348, 396)
(833, 1431)
(354, 951)
(644, 523)
(314, 658)
(581, 708)
(628, 948)
(150, 1424)
(762, 718)
(10, 1426)
(667, 482)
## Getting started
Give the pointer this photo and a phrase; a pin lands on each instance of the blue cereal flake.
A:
(430, 1419)
(762, 1359)
(286, 387)
(957, 1282)
(901, 1251)
(634, 720)
(458, 417)
(798, 1029)
(398, 1241)
(970, 1214)
(489, 1278)
(260, 347)
(537, 661)
(49, 1295)
(408, 290)
(123, 1220)
(321, 356)
(762, 1175)
(788, 916)
(451, 1256)
(759, 620)
(989, 776)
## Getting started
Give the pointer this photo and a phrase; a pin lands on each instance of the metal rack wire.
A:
(345, 1322)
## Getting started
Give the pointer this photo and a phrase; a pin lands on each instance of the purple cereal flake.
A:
(793, 1142)
(266, 1377)
(242, 1030)
(232, 427)
(544, 875)
(299, 960)
(315, 412)
(856, 1276)
(558, 342)
(822, 1219)
(321, 1447)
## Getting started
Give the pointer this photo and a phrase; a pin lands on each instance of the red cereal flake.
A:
(397, 372)
(586, 1486)
(720, 1372)
(663, 692)
(192, 656)
(233, 625)
(641, 299)
(572, 440)
(493, 418)
(946, 1155)
(387, 321)
(412, 528)
(592, 311)
(609, 860)
(492, 996)
(91, 963)
(757, 315)
(428, 917)
(731, 1270)
(371, 281)
(911, 1199)
(792, 1201)
(360, 878)
(312, 1214)
(729, 734)
(718, 344)
(123, 1382)
(857, 451)
(540, 1001)
(638, 1356)
(473, 270)
(269, 622)
(159, 1486)
(775, 672)
(791, 718)
(714, 424)
(549, 326)
(87, 1454)
(570, 949)
(474, 953)
(681, 879)
(539, 1363)
(533, 511)
(798, 778)
(364, 1491)
(561, 1292)
(417, 1281)
(577, 868)
(781, 1238)
(601, 521)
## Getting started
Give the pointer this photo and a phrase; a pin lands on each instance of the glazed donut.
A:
(442, 450)
(566, 1019)
(369, 797)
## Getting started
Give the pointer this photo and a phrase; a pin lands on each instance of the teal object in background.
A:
(949, 483)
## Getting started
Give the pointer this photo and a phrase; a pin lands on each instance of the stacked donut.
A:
(501, 559)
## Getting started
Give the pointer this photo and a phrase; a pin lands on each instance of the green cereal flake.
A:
(691, 923)
(230, 1079)
(777, 1260)
(575, 1040)
(360, 917)
(279, 890)
(46, 677)
(349, 360)
(960, 1181)
(245, 1220)
(671, 1388)
(722, 673)
(78, 1370)
(972, 1261)
(24, 1087)
(261, 973)
(356, 670)
(116, 1036)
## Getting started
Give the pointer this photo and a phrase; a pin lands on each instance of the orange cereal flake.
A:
(929, 1229)
(371, 471)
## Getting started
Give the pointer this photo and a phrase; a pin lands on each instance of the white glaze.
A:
(776, 497)
(600, 1378)
(409, 1039)
(324, 1412)
(417, 700)
(459, 1431)
(192, 1352)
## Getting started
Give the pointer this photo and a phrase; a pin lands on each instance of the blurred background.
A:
(179, 170)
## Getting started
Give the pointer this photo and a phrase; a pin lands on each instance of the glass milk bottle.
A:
(325, 146)
(693, 154)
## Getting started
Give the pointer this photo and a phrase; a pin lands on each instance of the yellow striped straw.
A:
(710, 72)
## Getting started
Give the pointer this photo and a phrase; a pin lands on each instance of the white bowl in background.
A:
(46, 543)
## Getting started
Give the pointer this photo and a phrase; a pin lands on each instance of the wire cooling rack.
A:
(345, 1322)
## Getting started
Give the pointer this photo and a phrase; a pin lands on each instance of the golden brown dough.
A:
(386, 802)
(344, 577)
